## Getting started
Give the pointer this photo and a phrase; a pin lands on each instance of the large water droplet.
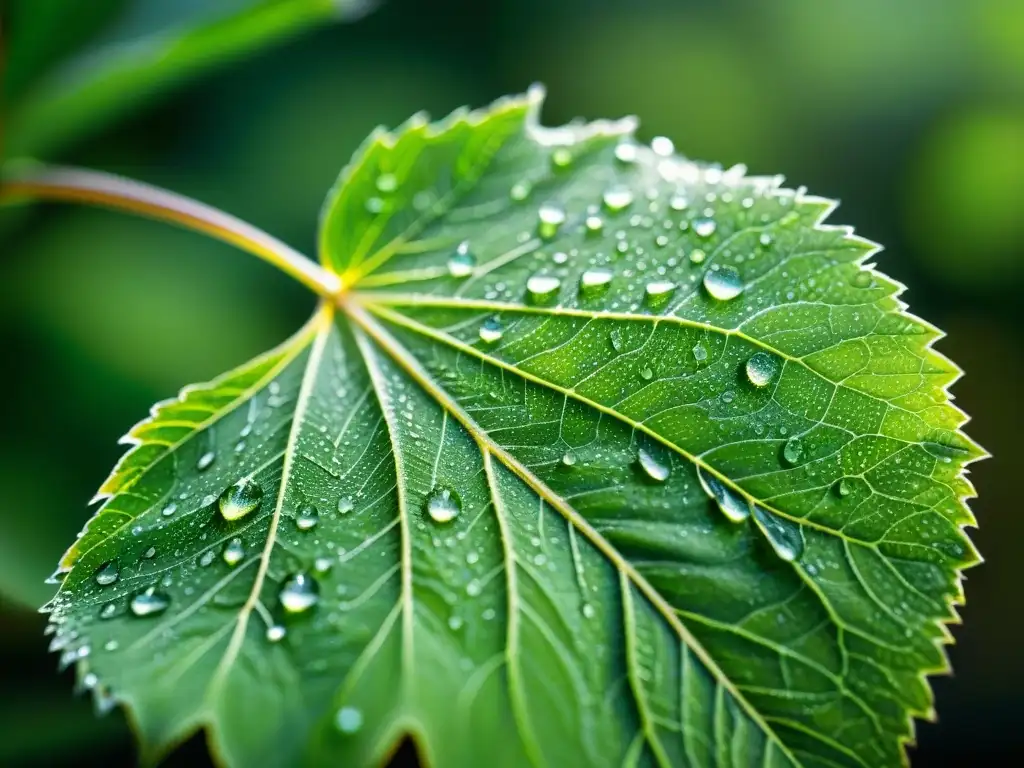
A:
(844, 487)
(723, 284)
(542, 288)
(662, 146)
(617, 198)
(149, 603)
(761, 369)
(299, 593)
(595, 282)
(733, 505)
(658, 292)
(704, 227)
(240, 499)
(169, 510)
(461, 263)
(700, 352)
(348, 720)
(793, 451)
(569, 459)
(550, 219)
(205, 461)
(233, 553)
(784, 535)
(443, 505)
(345, 505)
(491, 330)
(107, 573)
(654, 466)
(307, 518)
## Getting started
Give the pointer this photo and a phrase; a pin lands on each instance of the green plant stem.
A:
(40, 182)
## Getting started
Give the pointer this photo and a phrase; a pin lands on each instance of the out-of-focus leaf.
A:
(150, 47)
(602, 457)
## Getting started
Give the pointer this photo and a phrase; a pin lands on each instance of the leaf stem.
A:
(40, 182)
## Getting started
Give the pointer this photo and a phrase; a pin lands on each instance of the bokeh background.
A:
(909, 111)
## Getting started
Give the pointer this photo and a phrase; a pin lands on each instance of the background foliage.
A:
(912, 113)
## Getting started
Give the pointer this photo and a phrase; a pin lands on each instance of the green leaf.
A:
(601, 457)
(150, 47)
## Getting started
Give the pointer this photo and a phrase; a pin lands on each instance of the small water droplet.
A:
(491, 330)
(862, 279)
(560, 257)
(615, 337)
(472, 557)
(734, 506)
(784, 535)
(473, 588)
(595, 282)
(454, 623)
(323, 565)
(520, 191)
(700, 353)
(569, 459)
(299, 593)
(276, 633)
(765, 239)
(653, 465)
(149, 554)
(387, 182)
(697, 256)
(462, 262)
(149, 603)
(240, 499)
(677, 203)
(169, 510)
(345, 505)
(594, 224)
(658, 292)
(375, 205)
(646, 373)
(662, 146)
(793, 451)
(761, 369)
(550, 219)
(625, 152)
(307, 518)
(443, 505)
(588, 611)
(233, 553)
(542, 288)
(348, 720)
(107, 573)
(206, 558)
(111, 645)
(205, 461)
(617, 198)
(728, 396)
(723, 284)
(108, 610)
(844, 487)
(704, 227)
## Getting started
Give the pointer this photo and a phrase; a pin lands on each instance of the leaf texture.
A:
(601, 457)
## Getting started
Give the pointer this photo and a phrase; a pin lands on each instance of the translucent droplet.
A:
(323, 565)
(276, 633)
(307, 518)
(697, 256)
(206, 558)
(299, 593)
(387, 182)
(551, 218)
(844, 487)
(677, 203)
(617, 198)
(345, 505)
(462, 262)
(111, 645)
(473, 588)
(733, 505)
(765, 239)
(662, 146)
(594, 224)
(615, 337)
(560, 257)
(520, 191)
(700, 353)
(491, 330)
(646, 373)
(240, 499)
(149, 603)
(704, 227)
(793, 451)
(348, 720)
(625, 152)
(169, 510)
(723, 284)
(375, 205)
(658, 292)
(107, 573)
(561, 158)
(108, 611)
(784, 535)
(443, 505)
(149, 554)
(728, 396)
(761, 369)
(653, 466)
(862, 279)
(588, 611)
(542, 288)
(454, 623)
(233, 553)
(205, 461)
(569, 459)
(595, 282)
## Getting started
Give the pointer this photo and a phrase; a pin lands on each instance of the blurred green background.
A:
(909, 111)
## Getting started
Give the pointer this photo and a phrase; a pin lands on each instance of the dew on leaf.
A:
(276, 633)
(345, 505)
(491, 330)
(793, 451)
(108, 611)
(704, 227)
(844, 487)
(149, 603)
(542, 288)
(240, 499)
(206, 558)
(662, 146)
(322, 565)
(387, 182)
(862, 279)
(107, 573)
(307, 518)
(658, 292)
(761, 369)
(348, 720)
(299, 593)
(594, 224)
(733, 505)
(784, 535)
(700, 353)
(561, 158)
(462, 262)
(169, 510)
(569, 459)
(697, 256)
(595, 282)
(550, 219)
(520, 191)
(233, 552)
(617, 198)
(654, 466)
(723, 284)
(205, 461)
(443, 505)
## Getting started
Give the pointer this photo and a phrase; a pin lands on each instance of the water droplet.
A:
(588, 611)
(617, 198)
(697, 256)
(375, 205)
(677, 203)
(569, 459)
(594, 224)
(206, 558)
(723, 284)
(150, 553)
(233, 553)
(784, 535)
(662, 146)
(345, 505)
(733, 505)
(169, 510)
(625, 152)
(793, 451)
(560, 257)
(473, 588)
(322, 565)
(765, 239)
(240, 499)
(728, 396)
(520, 191)
(472, 557)
(561, 158)
(348, 720)
(299, 593)
(307, 518)
(462, 262)
(108, 610)
(443, 505)
(276, 633)
(542, 288)
(111, 645)
(205, 461)
(107, 573)
(551, 218)
(455, 623)
(387, 182)
(700, 353)
(761, 369)
(491, 330)
(615, 337)
(595, 282)
(653, 466)
(149, 603)
(862, 279)
(704, 227)
(658, 292)
(844, 487)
